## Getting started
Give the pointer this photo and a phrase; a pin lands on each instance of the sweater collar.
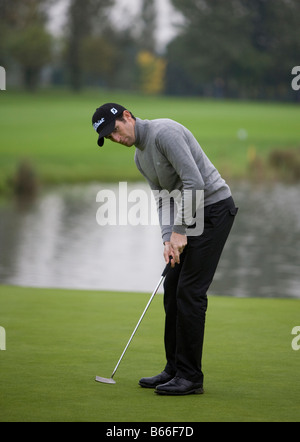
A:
(140, 133)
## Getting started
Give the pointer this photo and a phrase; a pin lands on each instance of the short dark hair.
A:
(121, 118)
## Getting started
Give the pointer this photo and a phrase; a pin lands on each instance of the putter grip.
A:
(167, 268)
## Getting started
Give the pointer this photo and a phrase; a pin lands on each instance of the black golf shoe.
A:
(179, 387)
(153, 382)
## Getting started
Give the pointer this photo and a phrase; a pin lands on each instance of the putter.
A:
(111, 380)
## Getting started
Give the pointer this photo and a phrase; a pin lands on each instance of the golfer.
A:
(170, 158)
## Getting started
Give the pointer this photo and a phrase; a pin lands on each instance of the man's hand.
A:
(175, 247)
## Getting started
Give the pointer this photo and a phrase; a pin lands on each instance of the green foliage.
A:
(233, 48)
(83, 17)
(236, 48)
(31, 47)
(25, 38)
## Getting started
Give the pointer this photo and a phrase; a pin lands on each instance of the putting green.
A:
(57, 341)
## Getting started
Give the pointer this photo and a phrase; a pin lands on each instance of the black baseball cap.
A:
(104, 120)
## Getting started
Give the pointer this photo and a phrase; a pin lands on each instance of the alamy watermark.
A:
(2, 338)
(296, 340)
(159, 207)
(296, 79)
(2, 79)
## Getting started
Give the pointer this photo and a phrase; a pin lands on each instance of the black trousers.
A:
(185, 292)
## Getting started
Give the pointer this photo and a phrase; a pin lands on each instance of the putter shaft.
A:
(111, 381)
(138, 324)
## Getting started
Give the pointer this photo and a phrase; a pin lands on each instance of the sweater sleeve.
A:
(165, 206)
(175, 147)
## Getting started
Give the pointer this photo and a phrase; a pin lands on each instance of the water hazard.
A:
(57, 242)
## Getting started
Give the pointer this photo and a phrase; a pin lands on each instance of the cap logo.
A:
(98, 123)
(114, 111)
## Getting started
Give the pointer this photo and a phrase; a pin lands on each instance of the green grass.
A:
(58, 340)
(52, 129)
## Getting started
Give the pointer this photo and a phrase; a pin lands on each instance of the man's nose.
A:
(115, 138)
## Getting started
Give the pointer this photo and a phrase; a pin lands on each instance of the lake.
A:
(56, 241)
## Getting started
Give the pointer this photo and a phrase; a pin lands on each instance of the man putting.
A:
(170, 158)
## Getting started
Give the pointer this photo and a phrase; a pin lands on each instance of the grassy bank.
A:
(58, 340)
(52, 131)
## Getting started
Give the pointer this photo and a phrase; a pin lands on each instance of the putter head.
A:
(105, 380)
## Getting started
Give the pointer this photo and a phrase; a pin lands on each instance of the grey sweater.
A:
(169, 157)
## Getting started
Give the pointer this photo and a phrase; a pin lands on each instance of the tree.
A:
(151, 67)
(211, 41)
(237, 47)
(147, 40)
(25, 36)
(275, 44)
(83, 17)
(115, 62)
(31, 47)
(152, 72)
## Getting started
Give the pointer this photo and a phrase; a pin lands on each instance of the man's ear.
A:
(126, 115)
